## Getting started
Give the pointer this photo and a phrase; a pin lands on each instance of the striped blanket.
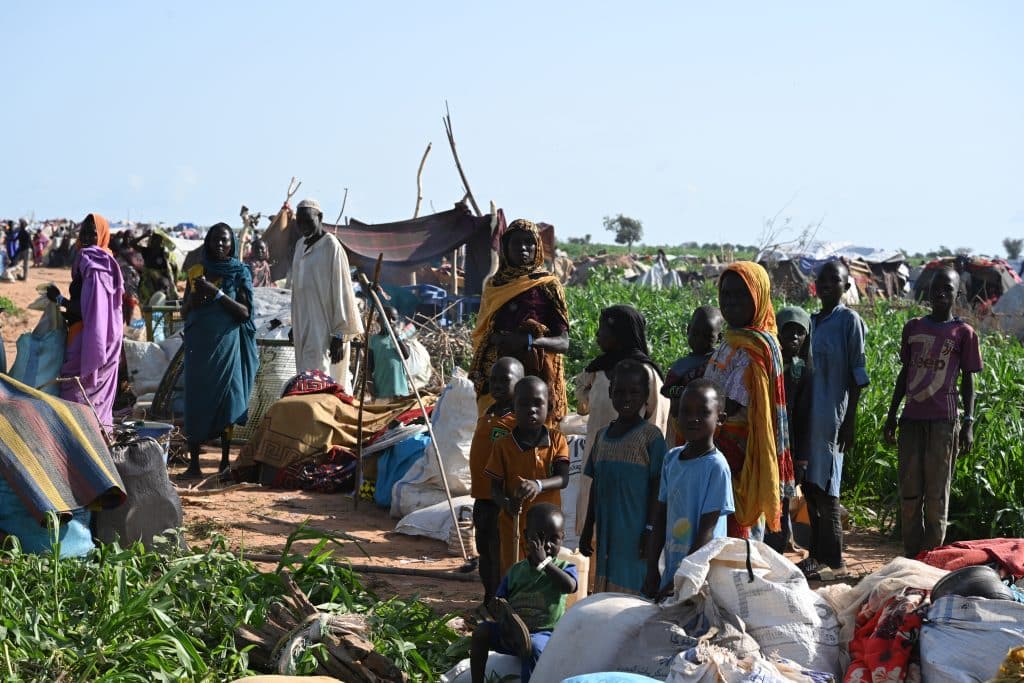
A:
(52, 453)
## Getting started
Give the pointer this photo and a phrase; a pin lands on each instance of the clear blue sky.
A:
(898, 124)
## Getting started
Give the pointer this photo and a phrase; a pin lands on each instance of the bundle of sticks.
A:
(449, 347)
(293, 624)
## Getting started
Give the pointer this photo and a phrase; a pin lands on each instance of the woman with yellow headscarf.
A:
(522, 315)
(747, 367)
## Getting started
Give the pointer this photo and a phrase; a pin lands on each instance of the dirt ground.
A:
(22, 294)
(259, 520)
(243, 516)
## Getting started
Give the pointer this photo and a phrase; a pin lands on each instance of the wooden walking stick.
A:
(361, 378)
(515, 536)
(469, 565)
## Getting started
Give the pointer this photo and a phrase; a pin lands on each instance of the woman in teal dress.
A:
(220, 345)
(625, 464)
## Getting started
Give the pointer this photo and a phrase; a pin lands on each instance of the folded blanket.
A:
(1008, 553)
(52, 453)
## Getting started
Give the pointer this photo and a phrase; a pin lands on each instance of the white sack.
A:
(454, 421)
(419, 363)
(616, 632)
(577, 445)
(434, 521)
(966, 639)
(504, 668)
(778, 608)
(147, 361)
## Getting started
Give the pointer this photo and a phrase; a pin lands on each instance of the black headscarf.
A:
(630, 328)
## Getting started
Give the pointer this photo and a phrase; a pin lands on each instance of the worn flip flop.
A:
(808, 564)
(513, 632)
(826, 574)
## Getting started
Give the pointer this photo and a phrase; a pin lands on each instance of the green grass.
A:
(125, 614)
(987, 494)
(7, 306)
(577, 250)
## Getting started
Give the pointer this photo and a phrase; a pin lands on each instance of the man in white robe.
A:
(325, 316)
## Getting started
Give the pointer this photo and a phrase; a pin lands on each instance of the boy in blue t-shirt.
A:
(530, 599)
(696, 489)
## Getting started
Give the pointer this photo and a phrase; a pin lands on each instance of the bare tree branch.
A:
(419, 181)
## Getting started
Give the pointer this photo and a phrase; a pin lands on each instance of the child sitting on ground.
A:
(625, 465)
(389, 380)
(696, 495)
(703, 333)
(935, 350)
(529, 466)
(496, 422)
(531, 597)
(794, 325)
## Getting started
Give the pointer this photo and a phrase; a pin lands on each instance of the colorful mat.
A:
(52, 453)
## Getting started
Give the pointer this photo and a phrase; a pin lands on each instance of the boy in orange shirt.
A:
(496, 422)
(529, 466)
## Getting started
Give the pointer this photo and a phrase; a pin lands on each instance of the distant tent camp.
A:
(877, 272)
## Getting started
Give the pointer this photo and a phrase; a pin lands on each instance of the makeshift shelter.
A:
(986, 280)
(1008, 313)
(787, 280)
(660, 275)
(408, 244)
(629, 267)
(876, 272)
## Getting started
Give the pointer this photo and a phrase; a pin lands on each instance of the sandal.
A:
(826, 574)
(513, 632)
(808, 564)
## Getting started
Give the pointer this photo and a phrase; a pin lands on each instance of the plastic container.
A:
(582, 571)
(160, 431)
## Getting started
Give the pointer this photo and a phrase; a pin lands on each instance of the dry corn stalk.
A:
(293, 623)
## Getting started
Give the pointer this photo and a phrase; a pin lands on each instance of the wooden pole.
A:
(341, 213)
(377, 569)
(293, 187)
(419, 181)
(455, 272)
(458, 164)
(361, 378)
(423, 409)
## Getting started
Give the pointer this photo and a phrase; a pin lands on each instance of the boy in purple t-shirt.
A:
(935, 349)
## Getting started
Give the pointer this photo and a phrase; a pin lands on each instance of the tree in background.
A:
(627, 230)
(1013, 248)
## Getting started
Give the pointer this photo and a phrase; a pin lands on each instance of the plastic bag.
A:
(41, 352)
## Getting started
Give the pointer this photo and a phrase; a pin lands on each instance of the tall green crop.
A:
(127, 614)
(987, 493)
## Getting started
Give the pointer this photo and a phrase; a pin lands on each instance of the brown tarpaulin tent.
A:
(405, 244)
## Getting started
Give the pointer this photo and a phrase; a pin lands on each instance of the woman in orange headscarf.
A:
(523, 315)
(95, 325)
(747, 367)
